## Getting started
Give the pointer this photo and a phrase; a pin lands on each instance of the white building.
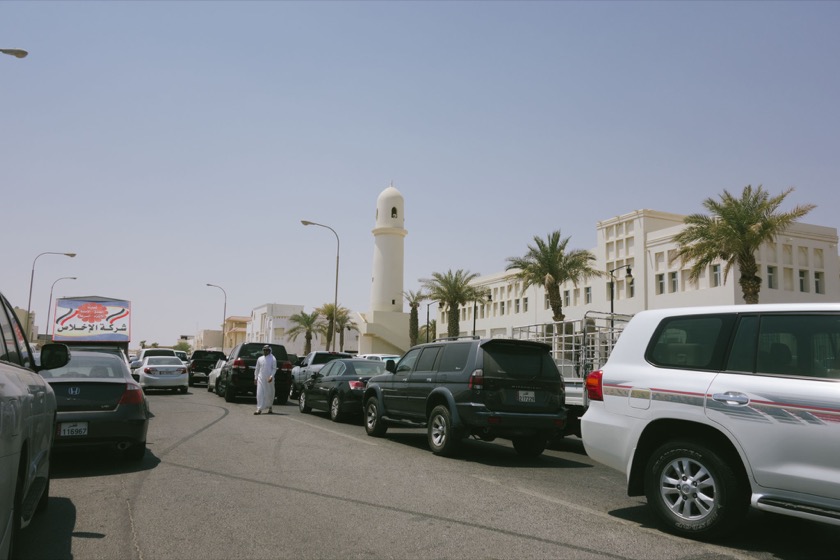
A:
(269, 323)
(802, 265)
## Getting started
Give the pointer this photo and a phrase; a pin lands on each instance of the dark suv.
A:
(201, 364)
(237, 375)
(485, 388)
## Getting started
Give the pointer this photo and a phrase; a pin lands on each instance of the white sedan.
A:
(161, 372)
(212, 378)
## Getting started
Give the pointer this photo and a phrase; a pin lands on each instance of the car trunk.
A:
(520, 377)
(84, 395)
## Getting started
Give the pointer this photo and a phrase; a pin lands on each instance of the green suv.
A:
(484, 388)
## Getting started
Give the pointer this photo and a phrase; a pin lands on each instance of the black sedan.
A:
(99, 405)
(338, 387)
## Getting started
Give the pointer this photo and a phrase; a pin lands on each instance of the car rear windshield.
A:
(164, 361)
(518, 361)
(324, 358)
(208, 355)
(255, 351)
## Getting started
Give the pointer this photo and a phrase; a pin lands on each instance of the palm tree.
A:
(307, 324)
(429, 333)
(735, 230)
(327, 310)
(452, 289)
(414, 299)
(344, 324)
(548, 264)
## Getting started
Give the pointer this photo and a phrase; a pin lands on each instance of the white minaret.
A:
(386, 291)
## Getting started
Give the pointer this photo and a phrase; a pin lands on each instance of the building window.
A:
(525, 305)
(772, 281)
(631, 289)
(819, 285)
(715, 275)
(587, 295)
(673, 282)
(501, 308)
(803, 281)
(567, 298)
(516, 306)
(660, 284)
(547, 303)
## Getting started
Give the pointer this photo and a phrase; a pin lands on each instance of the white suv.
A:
(709, 410)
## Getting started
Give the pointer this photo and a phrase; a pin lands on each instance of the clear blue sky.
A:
(172, 144)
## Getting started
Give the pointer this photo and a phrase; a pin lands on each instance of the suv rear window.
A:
(518, 361)
(255, 351)
(690, 342)
(207, 355)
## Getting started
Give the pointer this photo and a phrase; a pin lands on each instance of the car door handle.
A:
(731, 397)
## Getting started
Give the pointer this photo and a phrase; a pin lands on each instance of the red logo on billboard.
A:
(92, 312)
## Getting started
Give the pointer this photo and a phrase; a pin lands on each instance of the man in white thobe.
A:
(264, 380)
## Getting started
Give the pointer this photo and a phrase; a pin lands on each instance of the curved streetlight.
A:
(337, 250)
(628, 272)
(17, 53)
(49, 307)
(32, 280)
(224, 313)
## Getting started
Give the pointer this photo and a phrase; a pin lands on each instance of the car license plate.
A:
(526, 396)
(71, 429)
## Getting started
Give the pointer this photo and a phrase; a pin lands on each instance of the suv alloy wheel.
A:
(443, 438)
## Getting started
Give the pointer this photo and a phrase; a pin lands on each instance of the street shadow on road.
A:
(498, 453)
(763, 534)
(50, 535)
(77, 463)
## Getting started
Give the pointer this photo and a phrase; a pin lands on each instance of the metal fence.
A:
(578, 346)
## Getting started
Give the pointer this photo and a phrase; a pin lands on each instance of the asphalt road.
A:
(218, 482)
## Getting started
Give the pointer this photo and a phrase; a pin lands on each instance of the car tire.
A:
(530, 446)
(183, 390)
(17, 504)
(218, 389)
(694, 490)
(374, 425)
(230, 393)
(281, 398)
(191, 381)
(443, 438)
(292, 393)
(305, 408)
(335, 409)
(44, 500)
(209, 387)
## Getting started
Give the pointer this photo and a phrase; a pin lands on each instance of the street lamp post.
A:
(32, 281)
(224, 314)
(49, 307)
(629, 277)
(337, 251)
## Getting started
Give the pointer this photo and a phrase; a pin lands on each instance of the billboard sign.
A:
(92, 319)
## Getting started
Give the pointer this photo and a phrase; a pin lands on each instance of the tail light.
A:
(357, 385)
(239, 363)
(149, 370)
(182, 370)
(477, 380)
(133, 394)
(286, 366)
(595, 385)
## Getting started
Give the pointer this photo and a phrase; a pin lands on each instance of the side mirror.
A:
(135, 364)
(391, 366)
(54, 356)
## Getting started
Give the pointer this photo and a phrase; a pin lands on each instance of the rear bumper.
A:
(162, 382)
(104, 428)
(510, 424)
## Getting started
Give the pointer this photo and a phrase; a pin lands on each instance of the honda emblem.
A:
(74, 391)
